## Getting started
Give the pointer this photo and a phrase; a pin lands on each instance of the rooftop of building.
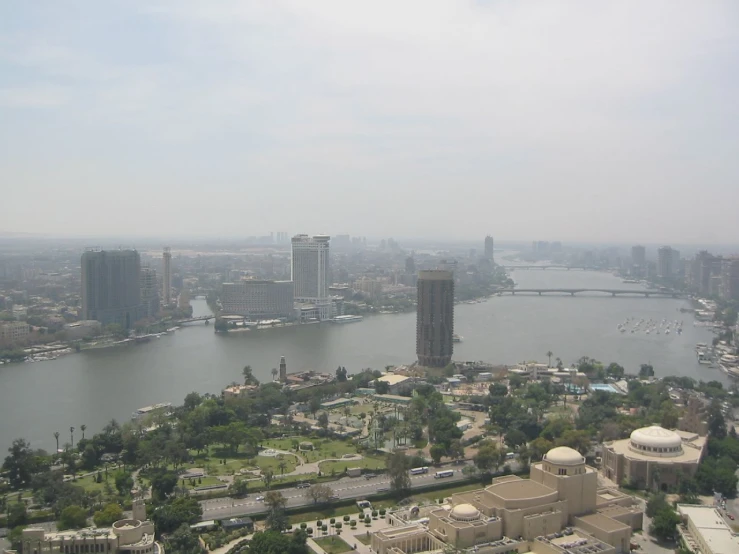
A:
(519, 489)
(564, 455)
(393, 378)
(603, 522)
(692, 447)
(714, 531)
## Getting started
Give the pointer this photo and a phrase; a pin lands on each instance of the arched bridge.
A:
(612, 292)
(543, 267)
(205, 318)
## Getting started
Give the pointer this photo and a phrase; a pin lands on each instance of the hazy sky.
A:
(598, 121)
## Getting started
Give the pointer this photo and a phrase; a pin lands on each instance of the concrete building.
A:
(283, 370)
(435, 318)
(149, 292)
(167, 275)
(653, 458)
(730, 279)
(13, 331)
(126, 536)
(310, 272)
(370, 287)
(111, 287)
(397, 383)
(705, 531)
(638, 261)
(489, 244)
(665, 269)
(259, 299)
(559, 509)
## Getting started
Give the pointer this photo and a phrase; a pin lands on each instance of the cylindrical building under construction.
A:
(435, 318)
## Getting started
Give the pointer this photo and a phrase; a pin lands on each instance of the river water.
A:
(95, 386)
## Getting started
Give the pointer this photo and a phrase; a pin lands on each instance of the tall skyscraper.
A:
(665, 259)
(310, 272)
(167, 280)
(149, 292)
(639, 255)
(111, 288)
(435, 318)
(489, 248)
(283, 370)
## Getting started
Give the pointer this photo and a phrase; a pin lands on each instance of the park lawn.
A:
(340, 467)
(364, 537)
(88, 483)
(323, 448)
(204, 482)
(333, 544)
(326, 512)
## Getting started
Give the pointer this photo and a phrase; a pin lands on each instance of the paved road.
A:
(348, 487)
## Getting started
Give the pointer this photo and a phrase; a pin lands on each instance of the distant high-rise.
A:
(149, 292)
(435, 318)
(167, 257)
(310, 272)
(664, 262)
(283, 370)
(410, 265)
(489, 248)
(639, 255)
(111, 288)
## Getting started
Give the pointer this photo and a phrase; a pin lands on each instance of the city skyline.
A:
(486, 111)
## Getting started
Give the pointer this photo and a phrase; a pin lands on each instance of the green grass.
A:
(364, 538)
(323, 448)
(333, 545)
(365, 462)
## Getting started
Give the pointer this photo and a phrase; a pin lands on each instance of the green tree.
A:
(20, 464)
(314, 404)
(108, 515)
(398, 464)
(549, 357)
(123, 482)
(183, 541)
(323, 421)
(515, 438)
(89, 457)
(487, 457)
(172, 514)
(437, 452)
(72, 517)
(646, 371)
(615, 371)
(17, 515)
(716, 421)
(276, 519)
(267, 476)
(239, 488)
(163, 484)
(664, 524)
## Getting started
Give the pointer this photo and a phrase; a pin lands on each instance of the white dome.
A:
(465, 512)
(656, 437)
(564, 456)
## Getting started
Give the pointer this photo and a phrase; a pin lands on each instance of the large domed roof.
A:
(465, 512)
(564, 456)
(656, 437)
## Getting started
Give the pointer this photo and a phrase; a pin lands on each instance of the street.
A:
(348, 487)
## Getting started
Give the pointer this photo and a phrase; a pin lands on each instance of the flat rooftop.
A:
(711, 525)
(605, 523)
(519, 489)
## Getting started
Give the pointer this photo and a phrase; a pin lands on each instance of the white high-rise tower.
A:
(167, 256)
(310, 272)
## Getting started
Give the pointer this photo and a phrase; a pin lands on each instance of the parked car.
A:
(302, 486)
(260, 499)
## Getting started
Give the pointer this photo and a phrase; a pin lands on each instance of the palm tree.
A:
(82, 428)
(549, 355)
(56, 436)
(71, 432)
(283, 466)
(274, 373)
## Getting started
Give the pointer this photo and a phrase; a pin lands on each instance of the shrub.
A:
(346, 518)
(333, 520)
(353, 522)
(309, 530)
(303, 525)
(324, 528)
(374, 513)
(319, 523)
(338, 525)
(382, 511)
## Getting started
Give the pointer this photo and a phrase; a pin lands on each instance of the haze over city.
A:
(603, 120)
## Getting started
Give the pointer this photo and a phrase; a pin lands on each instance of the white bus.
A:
(442, 474)
(419, 470)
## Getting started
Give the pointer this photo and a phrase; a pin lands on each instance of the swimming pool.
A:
(605, 387)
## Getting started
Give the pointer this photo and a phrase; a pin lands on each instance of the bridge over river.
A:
(612, 292)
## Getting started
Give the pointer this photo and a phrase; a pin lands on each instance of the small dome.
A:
(564, 456)
(465, 512)
(656, 437)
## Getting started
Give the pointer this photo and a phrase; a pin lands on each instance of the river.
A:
(95, 386)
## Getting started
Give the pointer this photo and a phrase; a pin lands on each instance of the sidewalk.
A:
(346, 533)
